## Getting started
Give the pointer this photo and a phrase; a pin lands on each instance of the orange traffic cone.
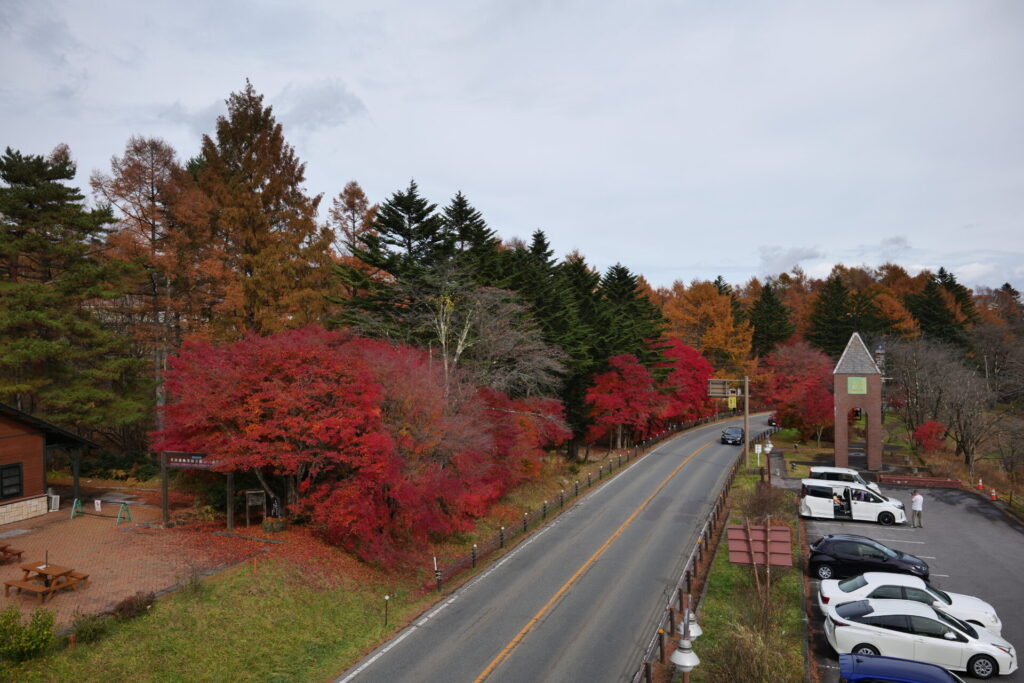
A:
(993, 496)
(981, 487)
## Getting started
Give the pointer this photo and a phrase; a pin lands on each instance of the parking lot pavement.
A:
(971, 548)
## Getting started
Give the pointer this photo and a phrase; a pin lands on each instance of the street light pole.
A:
(746, 421)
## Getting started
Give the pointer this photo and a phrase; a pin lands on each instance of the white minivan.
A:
(843, 474)
(847, 500)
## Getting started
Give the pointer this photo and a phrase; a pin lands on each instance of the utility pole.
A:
(746, 421)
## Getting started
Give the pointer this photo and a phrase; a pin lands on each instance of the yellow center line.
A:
(579, 572)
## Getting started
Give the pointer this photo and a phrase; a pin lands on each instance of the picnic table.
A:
(7, 552)
(45, 579)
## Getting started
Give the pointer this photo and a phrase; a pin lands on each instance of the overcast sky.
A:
(682, 139)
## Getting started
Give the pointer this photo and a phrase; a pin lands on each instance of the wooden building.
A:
(25, 442)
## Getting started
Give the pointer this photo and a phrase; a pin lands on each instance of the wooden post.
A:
(163, 487)
(231, 501)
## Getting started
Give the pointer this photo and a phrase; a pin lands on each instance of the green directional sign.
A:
(856, 385)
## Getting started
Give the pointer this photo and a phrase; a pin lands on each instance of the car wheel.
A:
(886, 519)
(865, 649)
(982, 666)
(824, 571)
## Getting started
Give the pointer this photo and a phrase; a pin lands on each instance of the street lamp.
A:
(684, 658)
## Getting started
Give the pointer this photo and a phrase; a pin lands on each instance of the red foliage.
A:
(800, 390)
(357, 434)
(624, 396)
(930, 436)
(686, 385)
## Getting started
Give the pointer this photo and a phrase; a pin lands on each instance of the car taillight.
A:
(836, 622)
(825, 599)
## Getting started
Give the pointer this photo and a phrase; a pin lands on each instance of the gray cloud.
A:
(775, 260)
(314, 106)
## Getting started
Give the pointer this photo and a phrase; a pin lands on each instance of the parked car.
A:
(842, 474)
(878, 669)
(841, 555)
(732, 435)
(887, 585)
(908, 629)
(846, 500)
(773, 420)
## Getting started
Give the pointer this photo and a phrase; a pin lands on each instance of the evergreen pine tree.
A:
(476, 245)
(771, 322)
(628, 321)
(933, 315)
(831, 319)
(56, 357)
(961, 295)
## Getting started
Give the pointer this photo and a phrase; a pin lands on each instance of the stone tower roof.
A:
(855, 359)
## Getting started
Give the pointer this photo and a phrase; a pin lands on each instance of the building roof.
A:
(855, 359)
(55, 436)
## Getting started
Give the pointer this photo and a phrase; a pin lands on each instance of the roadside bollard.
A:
(561, 498)
(474, 556)
(661, 645)
(590, 482)
(577, 488)
(524, 522)
(671, 621)
(599, 472)
(544, 511)
(501, 537)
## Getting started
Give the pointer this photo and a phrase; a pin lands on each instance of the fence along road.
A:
(575, 600)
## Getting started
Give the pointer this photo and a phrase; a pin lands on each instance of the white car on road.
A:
(889, 586)
(908, 629)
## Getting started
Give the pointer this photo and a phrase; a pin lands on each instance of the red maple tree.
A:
(624, 400)
(800, 388)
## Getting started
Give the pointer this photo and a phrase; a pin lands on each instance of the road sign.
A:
(732, 403)
(768, 447)
(757, 448)
(718, 388)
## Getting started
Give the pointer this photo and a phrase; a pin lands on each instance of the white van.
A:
(843, 474)
(847, 500)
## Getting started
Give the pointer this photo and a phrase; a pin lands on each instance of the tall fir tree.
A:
(770, 318)
(263, 222)
(831, 318)
(628, 321)
(57, 358)
(934, 317)
(961, 295)
(476, 245)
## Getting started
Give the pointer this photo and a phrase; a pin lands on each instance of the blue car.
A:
(873, 668)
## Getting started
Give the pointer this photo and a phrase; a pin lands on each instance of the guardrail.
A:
(667, 624)
(506, 536)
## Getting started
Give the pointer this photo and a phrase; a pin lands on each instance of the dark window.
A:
(892, 622)
(919, 595)
(819, 491)
(10, 481)
(846, 549)
(887, 592)
(870, 552)
(924, 626)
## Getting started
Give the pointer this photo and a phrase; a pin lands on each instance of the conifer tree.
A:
(627, 320)
(263, 223)
(57, 358)
(831, 318)
(961, 295)
(476, 245)
(770, 319)
(934, 317)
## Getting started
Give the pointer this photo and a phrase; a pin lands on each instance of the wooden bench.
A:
(9, 552)
(37, 588)
(74, 578)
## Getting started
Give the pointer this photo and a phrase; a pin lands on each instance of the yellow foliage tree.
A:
(702, 317)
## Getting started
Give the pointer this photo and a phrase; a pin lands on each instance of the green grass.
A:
(270, 626)
(727, 603)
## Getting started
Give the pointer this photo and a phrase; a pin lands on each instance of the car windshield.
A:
(853, 584)
(889, 552)
(957, 624)
(943, 597)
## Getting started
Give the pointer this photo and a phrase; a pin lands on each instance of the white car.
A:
(908, 629)
(889, 586)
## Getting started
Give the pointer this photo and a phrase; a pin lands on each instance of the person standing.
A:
(916, 510)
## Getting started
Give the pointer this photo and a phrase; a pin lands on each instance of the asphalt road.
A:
(580, 598)
(970, 547)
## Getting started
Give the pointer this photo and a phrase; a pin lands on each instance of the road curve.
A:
(578, 599)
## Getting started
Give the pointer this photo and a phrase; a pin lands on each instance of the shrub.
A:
(750, 655)
(764, 501)
(134, 605)
(18, 641)
(930, 436)
(88, 628)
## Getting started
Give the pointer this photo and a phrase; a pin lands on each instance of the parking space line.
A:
(926, 557)
(945, 576)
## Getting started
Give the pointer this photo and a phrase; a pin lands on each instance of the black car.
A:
(773, 420)
(732, 435)
(840, 555)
